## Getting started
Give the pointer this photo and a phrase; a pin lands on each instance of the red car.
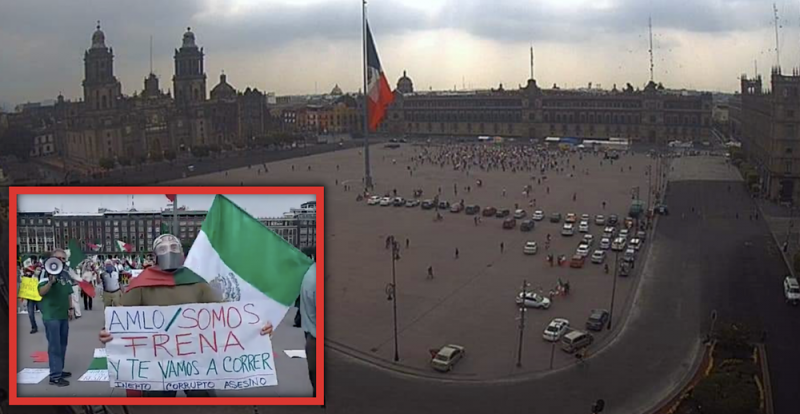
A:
(509, 223)
(577, 261)
(489, 211)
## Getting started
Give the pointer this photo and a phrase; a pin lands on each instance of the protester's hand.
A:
(267, 329)
(71, 314)
(51, 279)
(105, 336)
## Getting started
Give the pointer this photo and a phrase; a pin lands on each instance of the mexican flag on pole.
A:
(246, 261)
(74, 257)
(124, 247)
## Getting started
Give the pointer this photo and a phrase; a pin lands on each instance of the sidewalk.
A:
(782, 224)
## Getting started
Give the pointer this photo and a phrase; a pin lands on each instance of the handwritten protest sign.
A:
(189, 347)
(29, 289)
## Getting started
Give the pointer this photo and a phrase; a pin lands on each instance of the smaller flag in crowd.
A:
(124, 247)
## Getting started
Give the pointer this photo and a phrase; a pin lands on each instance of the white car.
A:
(588, 239)
(619, 244)
(605, 243)
(530, 248)
(412, 203)
(630, 255)
(623, 233)
(583, 227)
(567, 230)
(791, 289)
(538, 215)
(520, 213)
(533, 300)
(585, 217)
(599, 219)
(599, 256)
(635, 243)
(641, 234)
(374, 201)
(386, 201)
(608, 232)
(583, 250)
(571, 218)
(556, 329)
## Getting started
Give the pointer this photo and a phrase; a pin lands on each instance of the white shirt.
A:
(110, 281)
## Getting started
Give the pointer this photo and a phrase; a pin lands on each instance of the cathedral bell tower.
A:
(101, 89)
(189, 82)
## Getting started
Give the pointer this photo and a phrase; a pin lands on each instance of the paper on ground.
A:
(98, 375)
(295, 353)
(99, 352)
(32, 375)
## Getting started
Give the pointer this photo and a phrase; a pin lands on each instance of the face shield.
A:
(168, 252)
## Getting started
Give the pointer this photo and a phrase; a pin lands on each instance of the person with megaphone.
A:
(55, 288)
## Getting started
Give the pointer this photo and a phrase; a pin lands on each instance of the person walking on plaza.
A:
(112, 292)
(57, 311)
(430, 272)
(502, 247)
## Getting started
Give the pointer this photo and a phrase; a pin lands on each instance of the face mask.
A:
(109, 269)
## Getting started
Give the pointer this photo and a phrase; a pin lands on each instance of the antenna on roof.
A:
(532, 61)
(755, 63)
(777, 44)
(650, 28)
(151, 54)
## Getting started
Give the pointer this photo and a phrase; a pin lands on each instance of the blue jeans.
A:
(57, 332)
(32, 306)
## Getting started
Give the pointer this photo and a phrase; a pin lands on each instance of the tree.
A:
(170, 155)
(17, 140)
(107, 163)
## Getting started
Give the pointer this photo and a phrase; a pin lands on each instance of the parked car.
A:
(503, 213)
(583, 250)
(374, 201)
(583, 227)
(641, 235)
(598, 319)
(577, 261)
(571, 218)
(489, 211)
(567, 230)
(555, 217)
(625, 269)
(532, 300)
(605, 243)
(612, 220)
(447, 357)
(585, 217)
(520, 213)
(609, 232)
(530, 247)
(588, 239)
(556, 329)
(398, 202)
(386, 201)
(444, 205)
(412, 203)
(509, 223)
(575, 340)
(628, 222)
(456, 208)
(472, 209)
(791, 289)
(428, 205)
(623, 233)
(538, 215)
(526, 225)
(599, 256)
(662, 209)
(619, 244)
(635, 243)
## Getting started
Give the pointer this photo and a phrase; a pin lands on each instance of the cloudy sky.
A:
(256, 205)
(303, 46)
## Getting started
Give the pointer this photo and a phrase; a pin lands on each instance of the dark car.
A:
(612, 220)
(502, 213)
(526, 225)
(444, 205)
(597, 320)
(555, 217)
(509, 223)
(472, 209)
(662, 209)
(624, 269)
(428, 205)
(489, 211)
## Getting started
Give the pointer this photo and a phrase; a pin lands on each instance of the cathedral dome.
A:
(404, 84)
(188, 38)
(223, 90)
(336, 91)
(98, 38)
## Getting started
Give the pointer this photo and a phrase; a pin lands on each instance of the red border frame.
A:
(318, 191)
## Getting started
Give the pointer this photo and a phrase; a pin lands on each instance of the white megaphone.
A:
(53, 266)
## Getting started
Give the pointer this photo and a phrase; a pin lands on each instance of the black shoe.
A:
(34, 330)
(61, 382)
(66, 374)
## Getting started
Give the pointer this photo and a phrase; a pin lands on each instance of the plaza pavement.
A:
(471, 299)
(83, 339)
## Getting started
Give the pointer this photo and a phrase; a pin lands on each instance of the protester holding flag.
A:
(57, 310)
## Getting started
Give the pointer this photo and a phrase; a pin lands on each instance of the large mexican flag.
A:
(246, 261)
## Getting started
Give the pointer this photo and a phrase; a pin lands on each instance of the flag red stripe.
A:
(377, 110)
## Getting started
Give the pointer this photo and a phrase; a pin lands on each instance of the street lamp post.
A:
(649, 184)
(522, 311)
(613, 289)
(391, 292)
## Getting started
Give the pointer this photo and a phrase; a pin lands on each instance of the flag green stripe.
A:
(76, 256)
(254, 252)
(186, 276)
